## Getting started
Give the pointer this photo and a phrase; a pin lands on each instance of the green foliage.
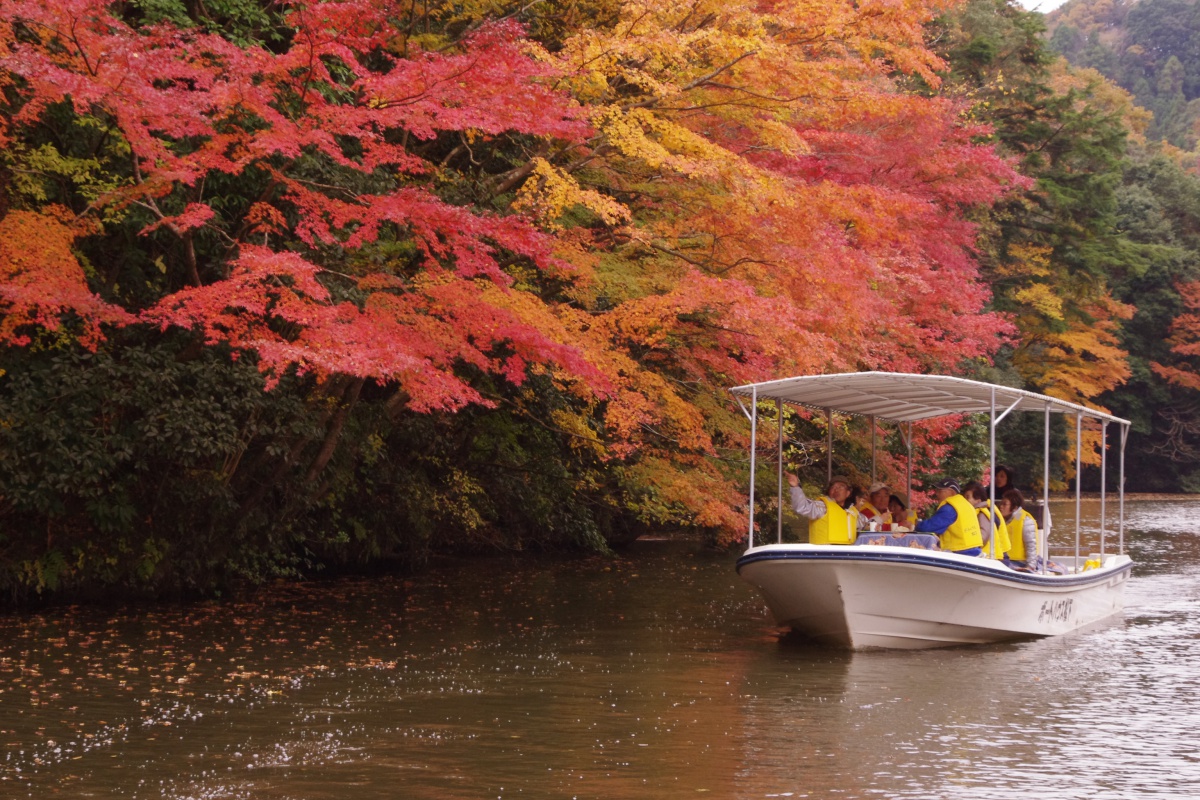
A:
(1071, 144)
(1151, 48)
(969, 453)
(478, 481)
(1159, 205)
(118, 469)
(244, 22)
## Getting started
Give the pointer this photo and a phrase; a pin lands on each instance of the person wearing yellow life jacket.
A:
(876, 507)
(828, 521)
(955, 520)
(992, 527)
(1026, 538)
(899, 511)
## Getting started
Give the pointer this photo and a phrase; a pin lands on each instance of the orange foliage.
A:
(1185, 340)
(761, 196)
(792, 209)
(41, 280)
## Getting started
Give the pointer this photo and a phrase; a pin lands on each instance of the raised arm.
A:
(802, 505)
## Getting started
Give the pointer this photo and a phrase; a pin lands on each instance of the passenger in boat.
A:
(855, 499)
(899, 512)
(855, 504)
(828, 521)
(1026, 544)
(1005, 479)
(992, 527)
(955, 520)
(876, 507)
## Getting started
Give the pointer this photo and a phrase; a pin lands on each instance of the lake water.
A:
(655, 675)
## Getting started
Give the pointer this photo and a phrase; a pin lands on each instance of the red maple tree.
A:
(193, 107)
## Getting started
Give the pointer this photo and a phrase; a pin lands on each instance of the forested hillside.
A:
(1152, 49)
(1149, 47)
(299, 286)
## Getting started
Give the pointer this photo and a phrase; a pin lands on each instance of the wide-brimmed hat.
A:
(948, 483)
(899, 497)
(840, 479)
(879, 487)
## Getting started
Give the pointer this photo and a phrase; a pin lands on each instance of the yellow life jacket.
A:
(833, 528)
(1004, 538)
(1001, 542)
(871, 512)
(964, 533)
(1017, 530)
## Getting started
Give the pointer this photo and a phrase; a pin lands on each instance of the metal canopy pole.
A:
(1046, 494)
(779, 508)
(872, 418)
(1000, 417)
(1121, 524)
(992, 472)
(908, 475)
(1078, 480)
(1103, 482)
(828, 445)
(753, 442)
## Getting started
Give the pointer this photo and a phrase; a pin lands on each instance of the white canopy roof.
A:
(904, 397)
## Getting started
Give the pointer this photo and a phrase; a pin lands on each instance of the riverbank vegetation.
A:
(299, 286)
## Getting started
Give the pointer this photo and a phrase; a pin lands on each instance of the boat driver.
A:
(828, 521)
(955, 520)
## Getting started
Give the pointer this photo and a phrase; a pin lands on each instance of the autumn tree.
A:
(494, 264)
(1144, 47)
(767, 148)
(284, 201)
(1053, 251)
(1159, 203)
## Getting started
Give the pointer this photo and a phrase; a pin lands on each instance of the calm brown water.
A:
(652, 676)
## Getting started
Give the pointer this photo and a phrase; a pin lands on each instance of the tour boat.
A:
(900, 591)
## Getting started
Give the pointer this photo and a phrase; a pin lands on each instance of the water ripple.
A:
(656, 674)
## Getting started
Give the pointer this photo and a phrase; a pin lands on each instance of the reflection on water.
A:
(656, 675)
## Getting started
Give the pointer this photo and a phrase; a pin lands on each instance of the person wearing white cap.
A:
(955, 520)
(828, 521)
(876, 507)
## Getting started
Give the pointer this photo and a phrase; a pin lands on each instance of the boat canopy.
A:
(904, 397)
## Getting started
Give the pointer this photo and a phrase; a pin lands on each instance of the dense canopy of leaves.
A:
(1149, 47)
(338, 283)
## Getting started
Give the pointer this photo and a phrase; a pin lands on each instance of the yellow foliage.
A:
(1080, 363)
(780, 136)
(550, 193)
(34, 170)
(667, 496)
(581, 435)
(1026, 259)
(1042, 299)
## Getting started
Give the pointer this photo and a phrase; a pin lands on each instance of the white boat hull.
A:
(870, 596)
